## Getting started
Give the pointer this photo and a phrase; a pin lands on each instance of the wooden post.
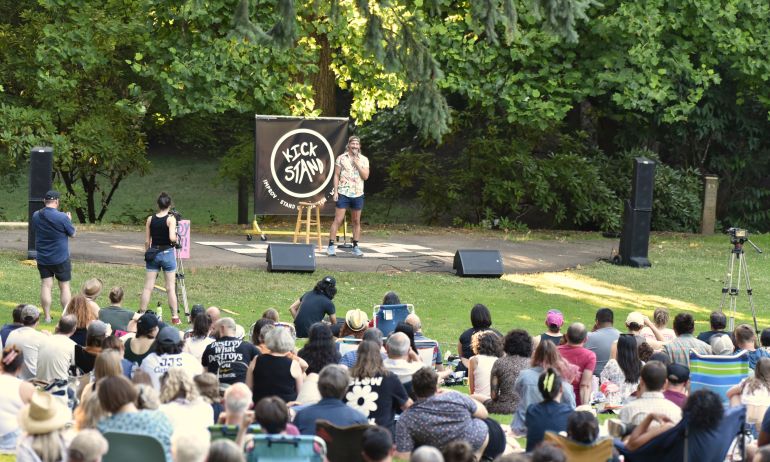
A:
(711, 186)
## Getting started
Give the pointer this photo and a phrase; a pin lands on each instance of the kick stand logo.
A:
(302, 163)
(295, 162)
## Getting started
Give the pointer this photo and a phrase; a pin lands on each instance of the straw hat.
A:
(44, 414)
(92, 288)
(356, 320)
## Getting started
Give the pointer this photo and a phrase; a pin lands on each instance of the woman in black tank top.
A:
(160, 234)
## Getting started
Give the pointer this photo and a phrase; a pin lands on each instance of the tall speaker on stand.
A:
(40, 182)
(637, 216)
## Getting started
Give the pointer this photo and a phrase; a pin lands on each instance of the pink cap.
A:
(554, 317)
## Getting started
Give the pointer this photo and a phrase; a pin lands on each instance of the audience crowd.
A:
(201, 394)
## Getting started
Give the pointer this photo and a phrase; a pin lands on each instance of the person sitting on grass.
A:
(229, 357)
(437, 419)
(517, 345)
(550, 414)
(546, 356)
(582, 427)
(718, 322)
(554, 319)
(182, 403)
(601, 338)
(115, 315)
(398, 362)
(372, 334)
(622, 372)
(488, 349)
(679, 349)
(377, 445)
(426, 453)
(259, 331)
(660, 318)
(653, 379)
(678, 384)
(276, 373)
(272, 415)
(168, 352)
(332, 384)
(414, 321)
(319, 351)
(198, 339)
(584, 359)
(753, 390)
(745, 340)
(481, 320)
(13, 325)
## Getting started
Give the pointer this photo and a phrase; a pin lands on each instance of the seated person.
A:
(651, 399)
(582, 427)
(680, 348)
(488, 348)
(85, 357)
(481, 320)
(745, 340)
(228, 357)
(718, 322)
(377, 445)
(437, 419)
(115, 315)
(332, 384)
(414, 321)
(275, 373)
(554, 319)
(549, 414)
(311, 307)
(678, 384)
(372, 334)
(356, 322)
(753, 390)
(272, 415)
(398, 362)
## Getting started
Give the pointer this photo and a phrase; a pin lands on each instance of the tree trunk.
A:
(243, 200)
(324, 82)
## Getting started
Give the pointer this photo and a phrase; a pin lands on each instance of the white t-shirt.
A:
(402, 368)
(156, 365)
(28, 340)
(55, 356)
(188, 417)
(196, 346)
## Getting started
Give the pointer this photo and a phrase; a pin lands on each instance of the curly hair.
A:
(704, 409)
(178, 384)
(487, 343)
(320, 348)
(517, 342)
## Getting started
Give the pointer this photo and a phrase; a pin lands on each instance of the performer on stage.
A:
(160, 239)
(351, 169)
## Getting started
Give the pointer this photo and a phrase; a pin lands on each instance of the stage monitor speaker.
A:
(635, 240)
(643, 183)
(40, 182)
(479, 263)
(291, 257)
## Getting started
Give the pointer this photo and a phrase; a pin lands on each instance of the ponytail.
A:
(549, 384)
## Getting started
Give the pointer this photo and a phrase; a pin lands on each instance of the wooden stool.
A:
(306, 208)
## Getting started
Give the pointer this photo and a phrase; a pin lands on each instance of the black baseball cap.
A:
(52, 195)
(146, 323)
(678, 373)
(196, 310)
(169, 336)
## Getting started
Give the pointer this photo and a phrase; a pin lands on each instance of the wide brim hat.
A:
(356, 320)
(44, 414)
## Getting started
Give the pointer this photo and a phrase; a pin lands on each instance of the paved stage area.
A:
(423, 253)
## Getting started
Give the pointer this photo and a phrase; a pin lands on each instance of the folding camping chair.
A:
(130, 447)
(345, 345)
(387, 317)
(427, 350)
(599, 451)
(683, 443)
(285, 448)
(717, 373)
(343, 443)
(230, 432)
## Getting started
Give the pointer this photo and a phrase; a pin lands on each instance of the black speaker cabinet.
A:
(479, 263)
(291, 257)
(40, 182)
(635, 240)
(643, 183)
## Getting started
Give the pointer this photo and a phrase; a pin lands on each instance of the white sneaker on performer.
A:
(331, 250)
(357, 252)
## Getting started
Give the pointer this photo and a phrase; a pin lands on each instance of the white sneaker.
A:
(357, 252)
(331, 250)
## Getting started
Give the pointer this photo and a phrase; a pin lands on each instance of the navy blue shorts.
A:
(353, 203)
(62, 271)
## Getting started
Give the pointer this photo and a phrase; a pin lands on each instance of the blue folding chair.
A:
(285, 448)
(230, 432)
(345, 345)
(387, 317)
(683, 443)
(717, 373)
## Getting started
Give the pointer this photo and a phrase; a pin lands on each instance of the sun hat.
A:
(635, 317)
(554, 317)
(92, 288)
(356, 320)
(44, 414)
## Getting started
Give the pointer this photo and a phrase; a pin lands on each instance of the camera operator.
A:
(159, 242)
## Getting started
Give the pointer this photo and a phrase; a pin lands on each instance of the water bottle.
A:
(159, 312)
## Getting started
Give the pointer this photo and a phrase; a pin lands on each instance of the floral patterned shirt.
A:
(149, 423)
(351, 184)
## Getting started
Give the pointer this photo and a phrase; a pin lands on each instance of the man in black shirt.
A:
(718, 322)
(228, 357)
(314, 305)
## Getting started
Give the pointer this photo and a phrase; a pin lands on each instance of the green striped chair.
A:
(717, 373)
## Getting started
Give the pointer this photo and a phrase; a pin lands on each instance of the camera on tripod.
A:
(738, 235)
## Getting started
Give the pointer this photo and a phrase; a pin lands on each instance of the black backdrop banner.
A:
(295, 162)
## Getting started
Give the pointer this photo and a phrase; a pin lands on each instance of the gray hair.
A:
(333, 381)
(227, 323)
(426, 454)
(224, 450)
(373, 334)
(279, 340)
(397, 345)
(237, 398)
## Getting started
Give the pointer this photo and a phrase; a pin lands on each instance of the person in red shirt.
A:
(582, 358)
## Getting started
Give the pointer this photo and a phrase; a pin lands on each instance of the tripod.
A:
(181, 289)
(732, 285)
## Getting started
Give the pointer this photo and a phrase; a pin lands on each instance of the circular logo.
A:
(302, 163)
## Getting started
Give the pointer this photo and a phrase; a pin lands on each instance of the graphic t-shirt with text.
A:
(377, 398)
(229, 359)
